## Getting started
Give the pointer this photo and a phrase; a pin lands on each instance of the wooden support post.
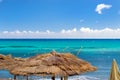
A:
(53, 78)
(14, 77)
(65, 77)
(26, 77)
(61, 78)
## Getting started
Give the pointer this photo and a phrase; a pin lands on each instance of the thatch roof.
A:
(53, 64)
(8, 62)
(115, 74)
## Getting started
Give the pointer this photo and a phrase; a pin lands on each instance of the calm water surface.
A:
(99, 52)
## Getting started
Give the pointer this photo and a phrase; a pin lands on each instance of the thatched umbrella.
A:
(8, 62)
(53, 64)
(115, 74)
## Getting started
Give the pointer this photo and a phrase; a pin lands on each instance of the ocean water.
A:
(99, 52)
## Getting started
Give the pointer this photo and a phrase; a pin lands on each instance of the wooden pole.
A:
(65, 77)
(27, 77)
(53, 78)
(61, 78)
(14, 77)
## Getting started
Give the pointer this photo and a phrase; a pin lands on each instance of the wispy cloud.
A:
(83, 32)
(68, 31)
(27, 32)
(100, 7)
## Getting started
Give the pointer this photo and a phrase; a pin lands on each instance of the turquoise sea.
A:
(99, 52)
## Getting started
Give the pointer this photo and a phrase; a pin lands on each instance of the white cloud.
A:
(17, 32)
(5, 32)
(48, 31)
(74, 30)
(69, 31)
(83, 32)
(86, 30)
(30, 31)
(100, 7)
(63, 31)
(24, 32)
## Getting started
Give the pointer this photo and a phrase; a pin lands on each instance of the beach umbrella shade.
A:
(8, 62)
(53, 64)
(115, 74)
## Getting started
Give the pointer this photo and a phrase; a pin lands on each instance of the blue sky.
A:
(58, 15)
